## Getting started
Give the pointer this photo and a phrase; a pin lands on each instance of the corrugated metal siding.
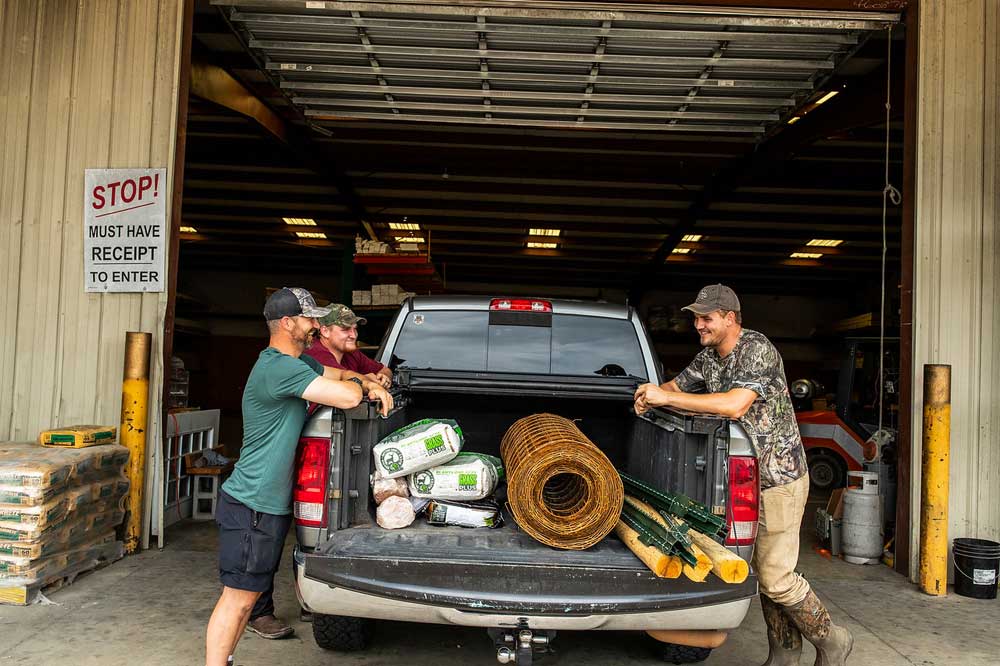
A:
(88, 84)
(956, 246)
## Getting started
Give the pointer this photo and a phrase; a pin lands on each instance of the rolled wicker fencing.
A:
(561, 488)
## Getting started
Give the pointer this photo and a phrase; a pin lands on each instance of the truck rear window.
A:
(556, 345)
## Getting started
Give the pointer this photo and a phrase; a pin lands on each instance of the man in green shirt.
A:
(254, 510)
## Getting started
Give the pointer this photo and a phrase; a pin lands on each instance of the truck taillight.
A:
(744, 501)
(312, 468)
(520, 305)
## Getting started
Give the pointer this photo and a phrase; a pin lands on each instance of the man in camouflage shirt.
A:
(739, 374)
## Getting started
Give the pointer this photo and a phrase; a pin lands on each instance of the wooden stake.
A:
(697, 573)
(726, 565)
(664, 566)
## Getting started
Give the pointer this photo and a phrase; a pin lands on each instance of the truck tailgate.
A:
(505, 571)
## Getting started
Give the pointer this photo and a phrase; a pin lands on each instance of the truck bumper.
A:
(326, 599)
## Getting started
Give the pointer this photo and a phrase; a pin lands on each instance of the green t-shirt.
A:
(273, 415)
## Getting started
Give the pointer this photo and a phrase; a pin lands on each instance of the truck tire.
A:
(343, 634)
(826, 470)
(673, 653)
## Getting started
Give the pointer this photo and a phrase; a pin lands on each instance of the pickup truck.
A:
(486, 362)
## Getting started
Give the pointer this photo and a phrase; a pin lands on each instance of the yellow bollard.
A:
(934, 480)
(135, 405)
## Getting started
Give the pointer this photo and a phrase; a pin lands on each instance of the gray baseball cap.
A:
(292, 302)
(341, 315)
(712, 298)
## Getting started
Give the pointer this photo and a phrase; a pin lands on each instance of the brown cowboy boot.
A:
(783, 638)
(833, 643)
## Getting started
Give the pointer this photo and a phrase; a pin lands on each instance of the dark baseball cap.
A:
(292, 302)
(712, 298)
(341, 315)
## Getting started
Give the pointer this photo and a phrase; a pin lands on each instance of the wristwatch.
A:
(358, 382)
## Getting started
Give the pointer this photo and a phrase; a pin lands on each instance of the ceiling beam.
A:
(295, 140)
(861, 104)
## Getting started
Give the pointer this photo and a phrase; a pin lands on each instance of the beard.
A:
(302, 339)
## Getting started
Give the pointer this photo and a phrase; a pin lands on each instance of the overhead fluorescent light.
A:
(299, 221)
(542, 246)
(310, 234)
(544, 232)
(409, 239)
(824, 242)
(681, 250)
(806, 255)
(404, 226)
(188, 230)
(692, 238)
(827, 97)
(794, 119)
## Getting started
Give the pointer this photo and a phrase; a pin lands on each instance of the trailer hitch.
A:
(520, 644)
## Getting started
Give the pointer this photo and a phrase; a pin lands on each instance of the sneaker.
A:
(270, 627)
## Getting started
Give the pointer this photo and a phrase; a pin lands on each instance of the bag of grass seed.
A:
(417, 447)
(467, 476)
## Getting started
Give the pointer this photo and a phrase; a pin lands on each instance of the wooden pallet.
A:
(25, 595)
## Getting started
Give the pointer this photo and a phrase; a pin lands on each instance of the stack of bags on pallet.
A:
(59, 508)
(421, 469)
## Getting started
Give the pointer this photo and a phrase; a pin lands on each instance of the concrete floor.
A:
(152, 609)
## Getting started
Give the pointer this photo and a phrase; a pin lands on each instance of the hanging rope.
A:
(889, 193)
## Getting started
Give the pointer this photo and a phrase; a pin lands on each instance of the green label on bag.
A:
(468, 481)
(434, 444)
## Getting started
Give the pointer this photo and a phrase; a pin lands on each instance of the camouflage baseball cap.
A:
(712, 298)
(341, 315)
(292, 302)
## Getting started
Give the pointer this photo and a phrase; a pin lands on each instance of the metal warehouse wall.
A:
(956, 318)
(86, 84)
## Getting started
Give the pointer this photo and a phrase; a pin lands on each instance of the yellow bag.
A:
(78, 436)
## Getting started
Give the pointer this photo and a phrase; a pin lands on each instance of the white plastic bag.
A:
(394, 513)
(416, 447)
(467, 476)
(383, 488)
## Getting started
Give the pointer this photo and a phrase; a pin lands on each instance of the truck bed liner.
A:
(504, 545)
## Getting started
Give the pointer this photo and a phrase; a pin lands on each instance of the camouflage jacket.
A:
(770, 422)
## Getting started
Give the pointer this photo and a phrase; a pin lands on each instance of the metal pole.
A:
(934, 480)
(135, 404)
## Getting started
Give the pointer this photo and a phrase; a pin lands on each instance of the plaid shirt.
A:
(770, 422)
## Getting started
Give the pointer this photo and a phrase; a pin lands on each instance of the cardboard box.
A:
(835, 505)
(361, 297)
(385, 294)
